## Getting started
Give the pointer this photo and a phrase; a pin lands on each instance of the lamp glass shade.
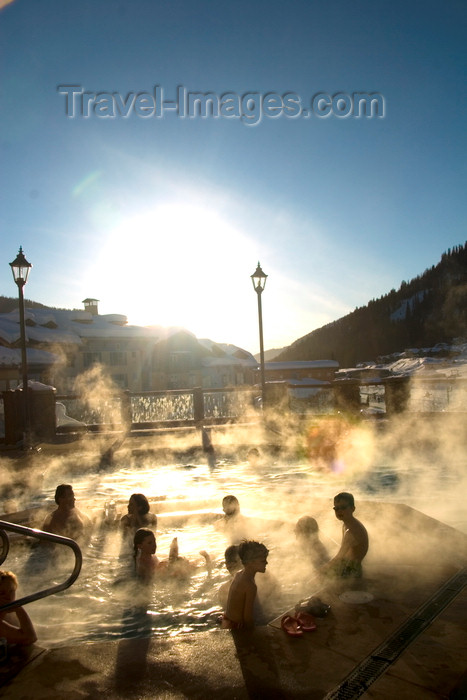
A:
(20, 268)
(259, 279)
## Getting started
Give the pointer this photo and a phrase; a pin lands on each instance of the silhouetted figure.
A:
(348, 561)
(233, 563)
(307, 534)
(239, 612)
(66, 519)
(15, 625)
(148, 566)
(233, 523)
(139, 514)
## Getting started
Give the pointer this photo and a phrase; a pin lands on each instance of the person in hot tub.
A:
(311, 548)
(233, 523)
(66, 519)
(139, 514)
(348, 561)
(15, 624)
(148, 566)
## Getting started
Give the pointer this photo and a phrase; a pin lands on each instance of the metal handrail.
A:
(39, 534)
(5, 546)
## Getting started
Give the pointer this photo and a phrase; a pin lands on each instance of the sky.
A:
(162, 214)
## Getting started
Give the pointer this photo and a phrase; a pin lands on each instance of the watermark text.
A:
(249, 107)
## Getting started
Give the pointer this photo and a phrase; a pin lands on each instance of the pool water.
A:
(107, 602)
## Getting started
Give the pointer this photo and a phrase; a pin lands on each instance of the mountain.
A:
(429, 310)
(8, 304)
(269, 355)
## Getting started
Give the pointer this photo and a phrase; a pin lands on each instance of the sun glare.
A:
(175, 265)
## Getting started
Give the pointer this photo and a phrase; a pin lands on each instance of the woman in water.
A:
(138, 514)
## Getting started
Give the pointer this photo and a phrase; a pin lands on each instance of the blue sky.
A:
(164, 219)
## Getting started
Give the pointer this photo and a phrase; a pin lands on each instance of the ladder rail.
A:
(6, 527)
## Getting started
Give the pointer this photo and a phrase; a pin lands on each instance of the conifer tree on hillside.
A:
(430, 309)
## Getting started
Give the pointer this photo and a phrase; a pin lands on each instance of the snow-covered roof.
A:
(70, 327)
(11, 357)
(226, 353)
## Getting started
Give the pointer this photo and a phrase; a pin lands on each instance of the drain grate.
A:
(371, 668)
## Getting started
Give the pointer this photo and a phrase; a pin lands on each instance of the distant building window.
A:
(120, 380)
(174, 382)
(91, 358)
(117, 358)
(180, 361)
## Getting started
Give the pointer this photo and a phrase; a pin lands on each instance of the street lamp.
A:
(259, 282)
(20, 268)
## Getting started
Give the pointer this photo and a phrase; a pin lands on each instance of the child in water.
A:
(311, 547)
(146, 562)
(232, 564)
(242, 593)
(15, 625)
(148, 566)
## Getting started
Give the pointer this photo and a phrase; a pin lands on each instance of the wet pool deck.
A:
(263, 664)
(267, 663)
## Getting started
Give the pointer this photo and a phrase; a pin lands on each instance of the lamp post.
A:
(259, 282)
(20, 268)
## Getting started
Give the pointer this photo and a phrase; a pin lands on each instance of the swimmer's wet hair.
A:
(141, 501)
(250, 549)
(141, 535)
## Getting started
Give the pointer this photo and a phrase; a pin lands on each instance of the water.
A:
(107, 603)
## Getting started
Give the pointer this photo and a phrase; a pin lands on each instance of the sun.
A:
(176, 264)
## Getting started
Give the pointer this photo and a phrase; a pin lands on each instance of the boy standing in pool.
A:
(348, 561)
(242, 593)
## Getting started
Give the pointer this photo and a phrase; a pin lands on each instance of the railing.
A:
(39, 534)
(139, 412)
(159, 409)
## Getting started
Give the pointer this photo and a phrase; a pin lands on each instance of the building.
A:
(64, 344)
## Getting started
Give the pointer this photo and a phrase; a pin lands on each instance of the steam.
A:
(411, 459)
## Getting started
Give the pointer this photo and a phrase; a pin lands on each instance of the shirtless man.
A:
(348, 560)
(242, 593)
(67, 520)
